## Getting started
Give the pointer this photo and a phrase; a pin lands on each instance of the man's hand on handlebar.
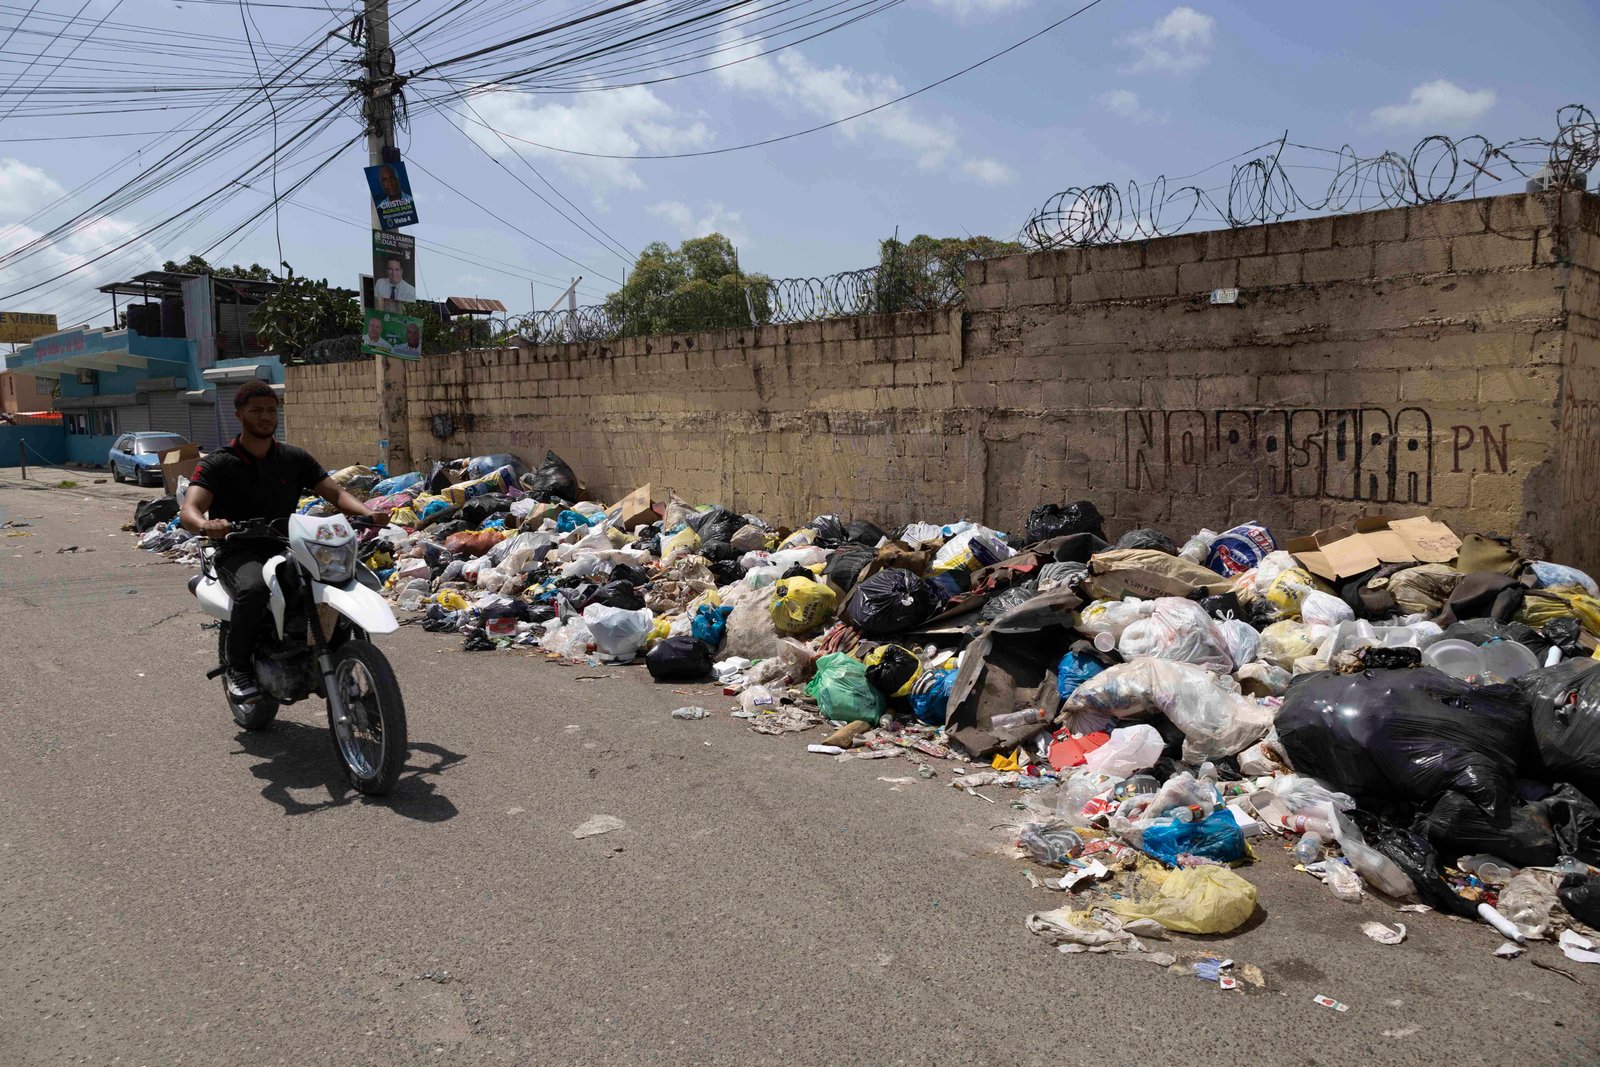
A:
(217, 528)
(376, 520)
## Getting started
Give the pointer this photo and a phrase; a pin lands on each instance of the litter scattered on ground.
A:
(1329, 1002)
(600, 824)
(1408, 715)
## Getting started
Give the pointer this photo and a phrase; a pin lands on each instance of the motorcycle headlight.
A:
(335, 563)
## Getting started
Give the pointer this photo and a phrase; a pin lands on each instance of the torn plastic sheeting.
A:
(1003, 662)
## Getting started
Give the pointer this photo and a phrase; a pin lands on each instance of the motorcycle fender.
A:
(214, 599)
(275, 605)
(362, 606)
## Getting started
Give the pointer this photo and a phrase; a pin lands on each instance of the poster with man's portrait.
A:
(391, 193)
(389, 333)
(394, 266)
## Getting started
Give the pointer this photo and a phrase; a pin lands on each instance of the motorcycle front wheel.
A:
(256, 714)
(367, 717)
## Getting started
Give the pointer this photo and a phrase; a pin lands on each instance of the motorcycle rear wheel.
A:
(371, 741)
(254, 715)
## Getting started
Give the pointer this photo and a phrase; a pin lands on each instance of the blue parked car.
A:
(136, 457)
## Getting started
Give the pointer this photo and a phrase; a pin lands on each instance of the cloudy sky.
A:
(1128, 90)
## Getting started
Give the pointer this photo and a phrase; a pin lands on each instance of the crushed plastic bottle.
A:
(1526, 901)
(691, 713)
(1309, 848)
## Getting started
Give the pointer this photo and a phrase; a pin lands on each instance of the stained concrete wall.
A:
(1441, 359)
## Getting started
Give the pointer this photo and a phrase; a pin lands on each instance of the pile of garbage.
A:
(1417, 712)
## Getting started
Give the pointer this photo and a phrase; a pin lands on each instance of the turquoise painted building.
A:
(186, 345)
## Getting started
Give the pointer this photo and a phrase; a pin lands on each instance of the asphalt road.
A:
(175, 891)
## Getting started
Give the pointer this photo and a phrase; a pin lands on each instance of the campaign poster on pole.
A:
(391, 194)
(394, 266)
(389, 333)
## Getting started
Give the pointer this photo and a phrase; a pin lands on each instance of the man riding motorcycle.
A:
(255, 477)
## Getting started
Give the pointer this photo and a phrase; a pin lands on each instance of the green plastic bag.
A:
(842, 691)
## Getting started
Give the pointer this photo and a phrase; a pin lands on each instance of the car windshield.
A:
(146, 446)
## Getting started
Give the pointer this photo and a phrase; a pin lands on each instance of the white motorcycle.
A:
(324, 606)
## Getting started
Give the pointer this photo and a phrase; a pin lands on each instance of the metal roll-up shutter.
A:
(203, 427)
(169, 413)
(133, 418)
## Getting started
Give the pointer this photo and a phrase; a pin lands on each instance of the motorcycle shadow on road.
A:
(296, 758)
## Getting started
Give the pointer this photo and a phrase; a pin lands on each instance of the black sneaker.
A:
(242, 685)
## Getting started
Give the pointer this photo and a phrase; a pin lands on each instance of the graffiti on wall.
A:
(1367, 454)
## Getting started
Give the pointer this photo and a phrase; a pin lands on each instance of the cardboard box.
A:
(1342, 551)
(632, 510)
(178, 462)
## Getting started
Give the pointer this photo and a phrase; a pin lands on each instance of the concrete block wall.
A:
(1441, 359)
(332, 410)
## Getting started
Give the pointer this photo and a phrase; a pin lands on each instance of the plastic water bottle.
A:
(1017, 719)
(1309, 848)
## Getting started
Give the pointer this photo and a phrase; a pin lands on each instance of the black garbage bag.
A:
(1575, 818)
(1222, 606)
(1053, 520)
(553, 482)
(715, 524)
(1379, 658)
(630, 573)
(717, 551)
(890, 602)
(618, 594)
(444, 529)
(480, 509)
(1148, 538)
(148, 513)
(1413, 855)
(830, 531)
(1521, 833)
(861, 532)
(1564, 633)
(897, 667)
(1385, 735)
(847, 563)
(1003, 602)
(797, 571)
(679, 659)
(1580, 895)
(541, 612)
(726, 571)
(475, 640)
(1566, 722)
(1481, 631)
(441, 477)
(578, 596)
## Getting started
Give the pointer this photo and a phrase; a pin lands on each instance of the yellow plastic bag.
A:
(1288, 590)
(380, 561)
(660, 630)
(1191, 900)
(1540, 606)
(1006, 763)
(800, 604)
(801, 538)
(404, 517)
(683, 539)
(451, 600)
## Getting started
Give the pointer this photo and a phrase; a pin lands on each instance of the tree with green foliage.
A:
(302, 311)
(929, 272)
(197, 265)
(441, 335)
(700, 286)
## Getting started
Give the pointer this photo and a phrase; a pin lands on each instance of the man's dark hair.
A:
(249, 391)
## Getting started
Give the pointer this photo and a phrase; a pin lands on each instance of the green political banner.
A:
(389, 333)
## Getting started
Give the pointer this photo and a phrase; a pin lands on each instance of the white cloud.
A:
(1437, 103)
(714, 219)
(826, 93)
(1124, 103)
(964, 10)
(625, 122)
(1178, 43)
(25, 189)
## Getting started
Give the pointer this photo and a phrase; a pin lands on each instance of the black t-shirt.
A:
(244, 487)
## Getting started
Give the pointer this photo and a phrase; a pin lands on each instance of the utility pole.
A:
(394, 443)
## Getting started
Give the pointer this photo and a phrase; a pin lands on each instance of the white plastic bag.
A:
(1269, 679)
(1179, 630)
(1215, 718)
(1113, 616)
(1195, 549)
(1130, 750)
(570, 639)
(1240, 639)
(618, 632)
(1324, 609)
(809, 556)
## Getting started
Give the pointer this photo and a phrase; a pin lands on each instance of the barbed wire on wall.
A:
(1261, 189)
(766, 302)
